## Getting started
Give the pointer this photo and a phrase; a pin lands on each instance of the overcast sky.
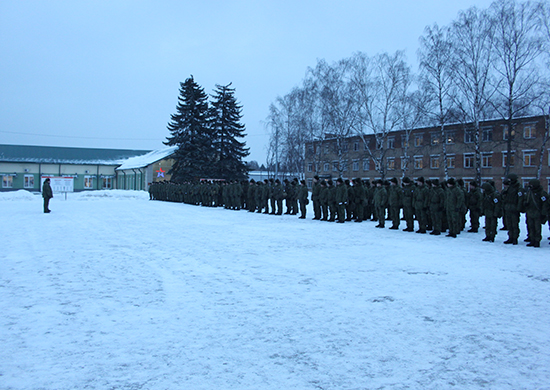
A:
(106, 73)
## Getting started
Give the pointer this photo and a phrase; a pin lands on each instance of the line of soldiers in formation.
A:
(436, 206)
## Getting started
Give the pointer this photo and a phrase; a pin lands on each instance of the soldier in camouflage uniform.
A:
(350, 206)
(331, 201)
(380, 203)
(272, 199)
(316, 189)
(437, 207)
(395, 202)
(323, 200)
(408, 208)
(360, 199)
(265, 196)
(474, 206)
(341, 199)
(535, 205)
(512, 201)
(303, 194)
(278, 195)
(421, 202)
(491, 207)
(251, 196)
(454, 203)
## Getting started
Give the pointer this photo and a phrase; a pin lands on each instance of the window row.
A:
(418, 140)
(435, 162)
(28, 182)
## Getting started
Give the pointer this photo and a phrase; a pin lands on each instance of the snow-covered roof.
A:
(66, 155)
(147, 159)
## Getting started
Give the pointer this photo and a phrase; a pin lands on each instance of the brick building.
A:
(358, 156)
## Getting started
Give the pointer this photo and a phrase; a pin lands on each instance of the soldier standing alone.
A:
(47, 194)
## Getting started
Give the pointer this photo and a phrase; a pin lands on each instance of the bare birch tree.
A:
(436, 81)
(472, 37)
(338, 107)
(517, 47)
(380, 84)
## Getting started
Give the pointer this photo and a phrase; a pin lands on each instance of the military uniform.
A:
(341, 200)
(535, 205)
(303, 194)
(323, 200)
(408, 207)
(380, 203)
(437, 207)
(360, 199)
(474, 206)
(454, 204)
(491, 207)
(512, 201)
(395, 201)
(315, 198)
(47, 194)
(421, 202)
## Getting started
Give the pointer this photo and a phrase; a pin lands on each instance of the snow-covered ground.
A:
(113, 291)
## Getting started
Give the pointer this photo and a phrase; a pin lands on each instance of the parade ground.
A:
(114, 291)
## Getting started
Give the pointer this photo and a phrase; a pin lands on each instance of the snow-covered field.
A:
(113, 291)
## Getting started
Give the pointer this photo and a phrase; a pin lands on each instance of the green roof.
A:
(63, 155)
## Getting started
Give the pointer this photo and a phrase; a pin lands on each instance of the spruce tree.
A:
(225, 115)
(189, 129)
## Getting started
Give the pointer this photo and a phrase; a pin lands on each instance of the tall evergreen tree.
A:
(189, 129)
(225, 114)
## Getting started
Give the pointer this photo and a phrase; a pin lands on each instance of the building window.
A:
(529, 158)
(469, 136)
(7, 181)
(468, 160)
(326, 167)
(309, 183)
(88, 182)
(107, 183)
(487, 134)
(404, 162)
(505, 158)
(434, 162)
(310, 167)
(529, 132)
(486, 160)
(391, 142)
(505, 132)
(345, 147)
(335, 166)
(434, 138)
(310, 149)
(355, 165)
(366, 164)
(450, 136)
(28, 181)
(390, 163)
(418, 140)
(418, 162)
(355, 146)
(344, 166)
(450, 162)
